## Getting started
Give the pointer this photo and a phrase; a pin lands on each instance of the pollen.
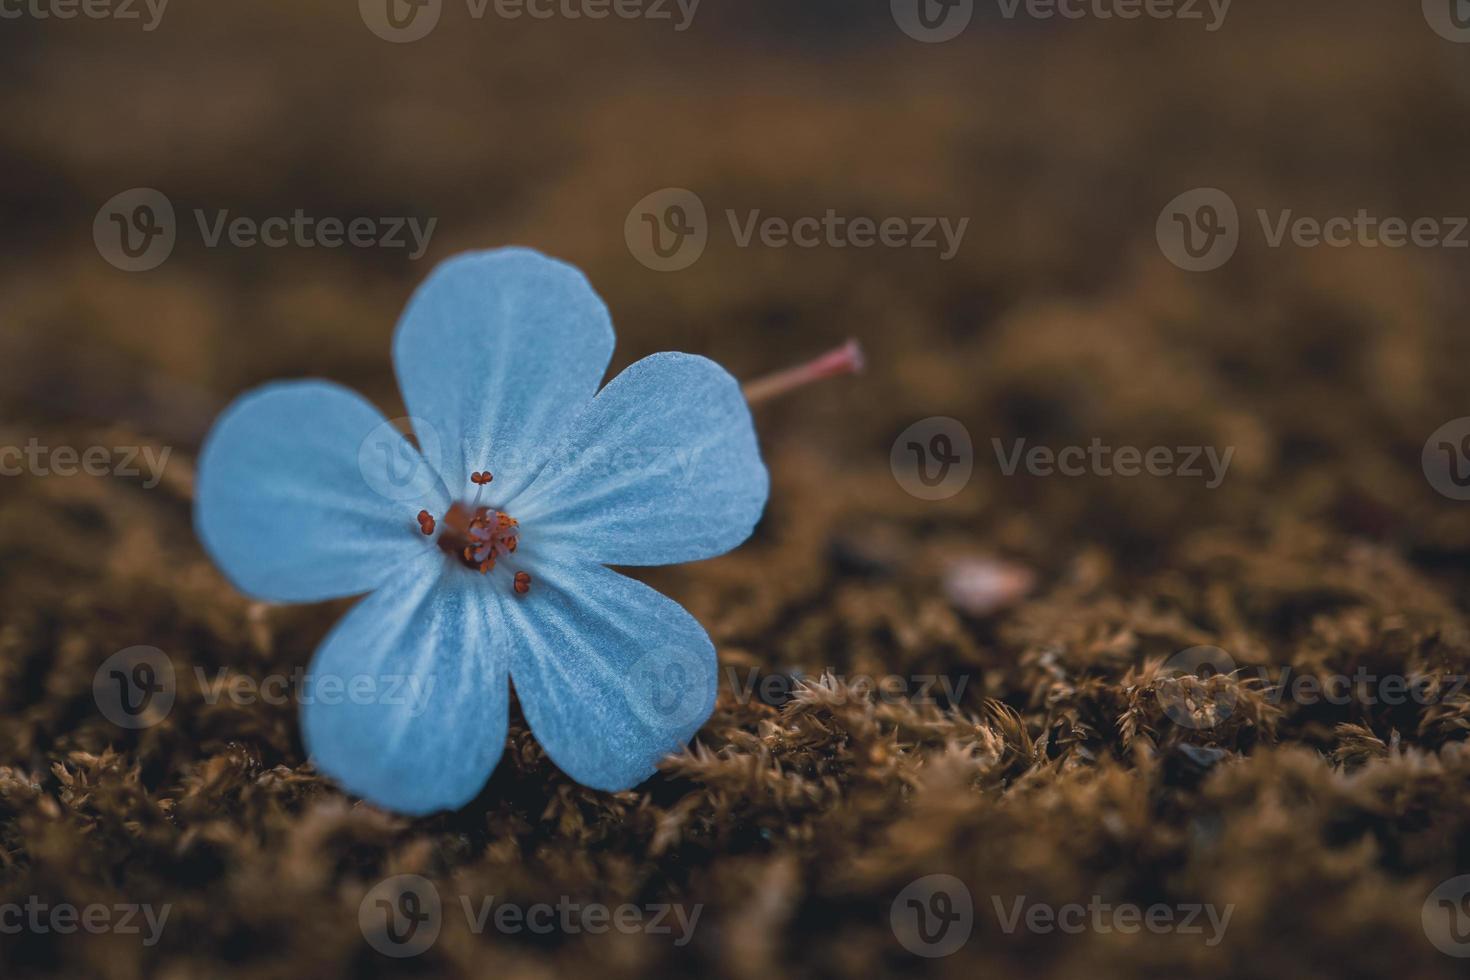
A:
(480, 479)
(478, 537)
(426, 522)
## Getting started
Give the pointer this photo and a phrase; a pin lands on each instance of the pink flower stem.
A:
(847, 359)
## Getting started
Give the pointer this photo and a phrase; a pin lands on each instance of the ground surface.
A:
(1058, 775)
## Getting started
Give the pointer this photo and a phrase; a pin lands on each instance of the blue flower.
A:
(485, 548)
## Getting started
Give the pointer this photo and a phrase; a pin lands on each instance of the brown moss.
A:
(1055, 771)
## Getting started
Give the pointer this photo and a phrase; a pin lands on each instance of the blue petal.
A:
(611, 675)
(496, 353)
(663, 467)
(306, 492)
(417, 718)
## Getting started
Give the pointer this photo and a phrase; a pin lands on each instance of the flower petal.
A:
(497, 352)
(662, 467)
(305, 492)
(409, 694)
(611, 675)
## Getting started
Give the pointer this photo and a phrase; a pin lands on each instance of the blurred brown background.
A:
(1059, 320)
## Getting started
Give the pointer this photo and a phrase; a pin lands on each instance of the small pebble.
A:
(982, 586)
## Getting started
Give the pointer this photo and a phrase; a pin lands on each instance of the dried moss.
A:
(1056, 772)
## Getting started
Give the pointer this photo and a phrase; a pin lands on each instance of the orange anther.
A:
(478, 536)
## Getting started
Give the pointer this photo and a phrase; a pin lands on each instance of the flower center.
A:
(478, 537)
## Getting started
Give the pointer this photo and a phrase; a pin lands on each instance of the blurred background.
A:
(1069, 310)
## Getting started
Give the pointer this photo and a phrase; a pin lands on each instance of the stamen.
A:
(847, 359)
(426, 522)
(480, 479)
(478, 536)
(522, 583)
